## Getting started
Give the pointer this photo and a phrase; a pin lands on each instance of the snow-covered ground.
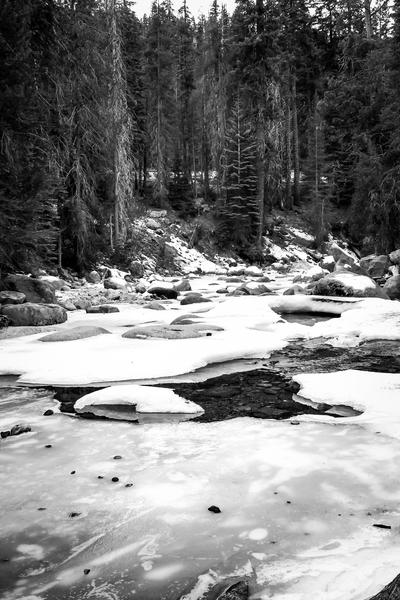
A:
(298, 507)
(299, 499)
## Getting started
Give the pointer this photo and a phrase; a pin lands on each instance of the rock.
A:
(162, 290)
(82, 303)
(342, 283)
(232, 588)
(154, 305)
(48, 412)
(183, 286)
(394, 270)
(75, 333)
(255, 289)
(392, 287)
(253, 272)
(35, 290)
(313, 274)
(375, 266)
(157, 214)
(115, 283)
(93, 277)
(102, 309)
(214, 509)
(4, 321)
(293, 290)
(395, 257)
(136, 269)
(338, 253)
(328, 263)
(236, 271)
(240, 291)
(57, 283)
(171, 332)
(152, 223)
(34, 314)
(67, 304)
(19, 429)
(390, 592)
(194, 298)
(11, 297)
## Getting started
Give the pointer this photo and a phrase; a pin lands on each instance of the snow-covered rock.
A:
(342, 254)
(298, 303)
(253, 271)
(57, 283)
(142, 399)
(328, 263)
(377, 395)
(313, 274)
(368, 319)
(115, 283)
(342, 283)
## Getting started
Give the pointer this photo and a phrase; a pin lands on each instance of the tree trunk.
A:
(296, 156)
(260, 179)
(367, 15)
(288, 155)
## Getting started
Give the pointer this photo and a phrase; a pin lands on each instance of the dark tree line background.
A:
(280, 103)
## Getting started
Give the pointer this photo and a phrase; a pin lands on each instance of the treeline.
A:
(281, 102)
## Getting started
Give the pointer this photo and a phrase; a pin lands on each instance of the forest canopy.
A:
(281, 102)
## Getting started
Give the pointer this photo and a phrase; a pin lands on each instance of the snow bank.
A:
(311, 304)
(370, 319)
(95, 360)
(376, 394)
(144, 399)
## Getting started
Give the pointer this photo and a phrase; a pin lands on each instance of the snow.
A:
(312, 304)
(359, 283)
(376, 394)
(369, 319)
(144, 399)
(86, 361)
(158, 534)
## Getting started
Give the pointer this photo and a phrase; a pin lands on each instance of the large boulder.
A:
(255, 288)
(34, 314)
(105, 309)
(194, 298)
(328, 263)
(115, 283)
(343, 283)
(253, 271)
(183, 286)
(313, 274)
(35, 290)
(75, 333)
(171, 332)
(395, 257)
(162, 289)
(136, 269)
(345, 256)
(57, 283)
(392, 287)
(11, 297)
(93, 277)
(375, 266)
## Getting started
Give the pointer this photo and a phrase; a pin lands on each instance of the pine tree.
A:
(29, 174)
(240, 214)
(161, 96)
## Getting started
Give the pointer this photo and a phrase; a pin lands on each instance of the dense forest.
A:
(280, 103)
